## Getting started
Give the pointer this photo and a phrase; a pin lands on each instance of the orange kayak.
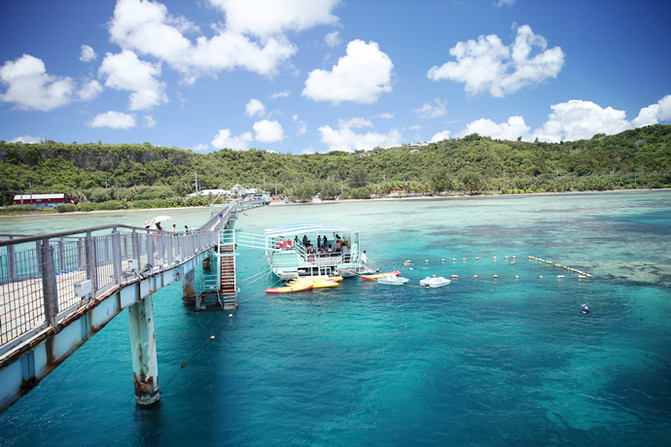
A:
(380, 275)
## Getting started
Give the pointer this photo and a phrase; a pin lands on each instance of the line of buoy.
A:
(580, 273)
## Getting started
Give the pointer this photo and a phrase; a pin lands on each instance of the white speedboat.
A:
(434, 281)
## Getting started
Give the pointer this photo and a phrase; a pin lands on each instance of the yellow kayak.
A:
(290, 288)
(316, 283)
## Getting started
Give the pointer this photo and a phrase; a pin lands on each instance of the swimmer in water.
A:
(584, 309)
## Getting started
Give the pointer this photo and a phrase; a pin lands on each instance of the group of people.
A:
(157, 226)
(324, 247)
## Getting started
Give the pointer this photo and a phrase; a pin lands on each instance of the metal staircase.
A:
(219, 289)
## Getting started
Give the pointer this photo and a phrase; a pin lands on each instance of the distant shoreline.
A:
(466, 196)
(313, 202)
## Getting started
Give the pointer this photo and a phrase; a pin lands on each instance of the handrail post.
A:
(81, 253)
(150, 249)
(136, 251)
(46, 257)
(171, 248)
(61, 254)
(116, 255)
(11, 263)
(91, 270)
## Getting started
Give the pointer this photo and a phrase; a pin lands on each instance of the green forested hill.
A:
(635, 158)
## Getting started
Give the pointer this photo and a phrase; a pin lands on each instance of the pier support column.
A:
(143, 352)
(189, 287)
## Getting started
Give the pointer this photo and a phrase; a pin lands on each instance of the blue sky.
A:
(305, 76)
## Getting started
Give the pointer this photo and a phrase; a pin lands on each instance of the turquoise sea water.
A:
(484, 361)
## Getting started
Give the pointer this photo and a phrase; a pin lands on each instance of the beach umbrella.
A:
(159, 219)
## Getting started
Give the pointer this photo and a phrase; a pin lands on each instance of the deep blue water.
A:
(484, 361)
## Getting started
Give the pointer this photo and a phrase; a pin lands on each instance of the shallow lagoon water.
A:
(484, 361)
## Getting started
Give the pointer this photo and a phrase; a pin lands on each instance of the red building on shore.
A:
(42, 200)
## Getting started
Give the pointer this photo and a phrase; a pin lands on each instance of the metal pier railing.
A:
(48, 278)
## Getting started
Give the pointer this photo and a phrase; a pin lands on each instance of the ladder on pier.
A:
(219, 291)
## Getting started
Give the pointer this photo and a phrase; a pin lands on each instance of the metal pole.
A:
(116, 255)
(91, 270)
(48, 282)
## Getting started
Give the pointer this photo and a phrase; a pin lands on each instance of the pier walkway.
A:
(58, 290)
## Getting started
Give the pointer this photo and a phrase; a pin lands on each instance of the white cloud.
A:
(124, 71)
(439, 108)
(302, 126)
(30, 87)
(223, 139)
(268, 131)
(569, 121)
(113, 120)
(264, 18)
(578, 119)
(282, 94)
(228, 50)
(90, 90)
(505, 3)
(148, 121)
(653, 114)
(28, 139)
(385, 116)
(87, 54)
(332, 39)
(361, 76)
(440, 136)
(148, 28)
(514, 128)
(200, 147)
(488, 65)
(345, 139)
(255, 107)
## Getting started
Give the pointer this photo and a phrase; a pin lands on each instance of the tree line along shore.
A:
(123, 176)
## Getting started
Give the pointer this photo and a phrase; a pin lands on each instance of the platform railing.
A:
(45, 279)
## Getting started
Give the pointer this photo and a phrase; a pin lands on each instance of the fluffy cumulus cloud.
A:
(514, 128)
(90, 90)
(440, 136)
(224, 140)
(248, 40)
(578, 119)
(30, 87)
(28, 139)
(361, 76)
(487, 65)
(438, 108)
(277, 17)
(569, 121)
(345, 138)
(125, 71)
(87, 54)
(255, 108)
(268, 131)
(655, 113)
(113, 120)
